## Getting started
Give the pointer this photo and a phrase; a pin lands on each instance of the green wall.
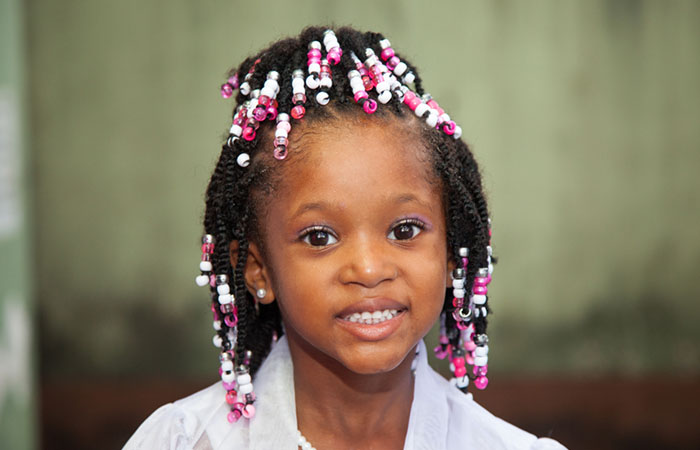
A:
(17, 347)
(584, 116)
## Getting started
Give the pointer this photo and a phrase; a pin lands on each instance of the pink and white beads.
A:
(359, 93)
(298, 94)
(205, 265)
(375, 71)
(313, 64)
(240, 394)
(332, 47)
(394, 64)
(281, 136)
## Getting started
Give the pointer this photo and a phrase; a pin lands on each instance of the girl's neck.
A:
(339, 409)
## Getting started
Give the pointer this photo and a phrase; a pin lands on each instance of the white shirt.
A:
(442, 417)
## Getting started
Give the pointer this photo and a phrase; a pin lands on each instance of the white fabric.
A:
(442, 417)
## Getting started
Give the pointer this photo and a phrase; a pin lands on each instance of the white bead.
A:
(400, 68)
(225, 299)
(281, 132)
(201, 280)
(458, 283)
(205, 266)
(326, 82)
(245, 388)
(312, 82)
(463, 252)
(462, 382)
(445, 117)
(432, 120)
(482, 351)
(314, 68)
(235, 130)
(306, 446)
(243, 378)
(459, 293)
(217, 325)
(299, 90)
(481, 360)
(298, 83)
(217, 341)
(267, 91)
(458, 132)
(223, 289)
(227, 366)
(382, 86)
(479, 299)
(245, 88)
(228, 377)
(243, 159)
(490, 268)
(384, 97)
(322, 98)
(409, 78)
(451, 367)
(356, 84)
(421, 109)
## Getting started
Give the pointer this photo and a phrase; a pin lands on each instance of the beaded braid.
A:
(346, 72)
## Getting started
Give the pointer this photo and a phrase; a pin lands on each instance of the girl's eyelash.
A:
(409, 221)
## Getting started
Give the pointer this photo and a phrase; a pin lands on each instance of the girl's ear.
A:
(256, 274)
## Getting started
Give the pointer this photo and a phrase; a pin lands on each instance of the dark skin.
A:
(355, 225)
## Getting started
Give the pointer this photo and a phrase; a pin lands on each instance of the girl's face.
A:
(356, 229)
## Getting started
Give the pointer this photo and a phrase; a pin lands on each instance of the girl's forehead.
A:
(357, 161)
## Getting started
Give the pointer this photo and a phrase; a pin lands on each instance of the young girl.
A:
(344, 218)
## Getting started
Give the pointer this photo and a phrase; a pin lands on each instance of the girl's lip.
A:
(375, 331)
(371, 305)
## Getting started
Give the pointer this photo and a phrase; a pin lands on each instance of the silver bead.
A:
(221, 279)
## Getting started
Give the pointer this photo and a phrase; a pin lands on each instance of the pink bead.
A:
(370, 106)
(488, 280)
(280, 152)
(460, 372)
(226, 90)
(458, 361)
(367, 83)
(271, 113)
(233, 81)
(264, 100)
(469, 359)
(393, 62)
(298, 112)
(229, 386)
(360, 95)
(249, 411)
(231, 320)
(465, 262)
(469, 346)
(249, 133)
(449, 128)
(212, 281)
(281, 141)
(481, 382)
(233, 416)
(483, 370)
(461, 325)
(480, 281)
(334, 56)
(313, 54)
(231, 397)
(457, 302)
(259, 113)
(387, 53)
(480, 290)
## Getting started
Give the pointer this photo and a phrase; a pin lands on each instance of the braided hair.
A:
(236, 194)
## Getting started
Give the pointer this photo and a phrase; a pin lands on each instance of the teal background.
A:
(583, 114)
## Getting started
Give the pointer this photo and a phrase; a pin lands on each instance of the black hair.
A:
(235, 193)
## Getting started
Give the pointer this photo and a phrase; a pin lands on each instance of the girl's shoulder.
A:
(444, 410)
(197, 422)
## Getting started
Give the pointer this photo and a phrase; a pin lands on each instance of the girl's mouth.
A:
(371, 318)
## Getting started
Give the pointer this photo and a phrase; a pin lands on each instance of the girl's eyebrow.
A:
(320, 206)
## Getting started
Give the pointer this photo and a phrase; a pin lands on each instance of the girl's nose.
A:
(367, 264)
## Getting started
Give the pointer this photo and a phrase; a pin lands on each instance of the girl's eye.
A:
(406, 230)
(318, 237)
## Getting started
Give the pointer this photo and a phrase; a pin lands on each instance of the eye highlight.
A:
(318, 236)
(406, 229)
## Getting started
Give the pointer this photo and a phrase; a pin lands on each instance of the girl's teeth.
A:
(370, 318)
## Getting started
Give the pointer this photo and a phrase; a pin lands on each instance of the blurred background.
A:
(585, 116)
